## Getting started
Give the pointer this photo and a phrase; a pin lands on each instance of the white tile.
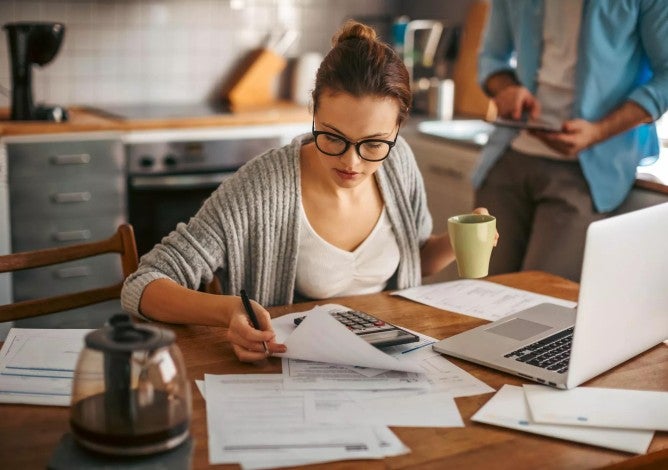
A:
(80, 12)
(27, 10)
(57, 11)
(7, 9)
(157, 14)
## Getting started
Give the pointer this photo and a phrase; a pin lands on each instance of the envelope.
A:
(599, 407)
(508, 408)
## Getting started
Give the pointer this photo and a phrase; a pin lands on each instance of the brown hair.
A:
(360, 64)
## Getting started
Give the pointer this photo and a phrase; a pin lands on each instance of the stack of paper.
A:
(336, 407)
(616, 419)
(37, 365)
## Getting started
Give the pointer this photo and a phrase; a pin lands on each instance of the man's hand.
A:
(576, 135)
(515, 101)
(579, 134)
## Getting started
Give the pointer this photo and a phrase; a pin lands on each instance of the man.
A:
(598, 70)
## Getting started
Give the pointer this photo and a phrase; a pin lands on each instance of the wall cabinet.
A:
(64, 190)
(447, 168)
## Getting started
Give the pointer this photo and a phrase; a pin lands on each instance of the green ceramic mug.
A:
(472, 238)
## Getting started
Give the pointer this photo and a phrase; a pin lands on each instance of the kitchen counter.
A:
(83, 119)
(473, 133)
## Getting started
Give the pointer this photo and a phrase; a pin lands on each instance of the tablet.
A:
(532, 125)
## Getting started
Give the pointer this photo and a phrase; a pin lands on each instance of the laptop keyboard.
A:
(551, 353)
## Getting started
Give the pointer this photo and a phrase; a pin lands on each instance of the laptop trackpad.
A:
(519, 329)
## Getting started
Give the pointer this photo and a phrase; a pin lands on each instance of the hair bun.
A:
(354, 30)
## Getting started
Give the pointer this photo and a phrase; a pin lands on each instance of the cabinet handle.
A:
(72, 159)
(72, 235)
(66, 198)
(73, 271)
(448, 172)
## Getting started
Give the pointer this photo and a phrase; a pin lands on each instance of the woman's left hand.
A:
(484, 211)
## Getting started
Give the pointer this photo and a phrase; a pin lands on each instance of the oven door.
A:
(156, 203)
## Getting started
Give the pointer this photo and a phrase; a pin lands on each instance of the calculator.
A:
(375, 331)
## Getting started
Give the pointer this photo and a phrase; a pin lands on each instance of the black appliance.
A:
(170, 176)
(32, 44)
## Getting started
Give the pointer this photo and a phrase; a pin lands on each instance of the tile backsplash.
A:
(165, 51)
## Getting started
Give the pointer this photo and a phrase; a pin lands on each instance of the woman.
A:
(341, 211)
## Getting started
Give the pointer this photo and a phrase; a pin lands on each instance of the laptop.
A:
(622, 310)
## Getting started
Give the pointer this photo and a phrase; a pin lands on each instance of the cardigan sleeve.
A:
(189, 255)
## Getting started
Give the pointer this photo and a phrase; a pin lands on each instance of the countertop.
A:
(466, 132)
(84, 119)
(474, 133)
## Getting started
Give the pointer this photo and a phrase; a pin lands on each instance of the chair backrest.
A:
(122, 242)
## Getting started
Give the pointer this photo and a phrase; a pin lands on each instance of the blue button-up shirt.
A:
(622, 55)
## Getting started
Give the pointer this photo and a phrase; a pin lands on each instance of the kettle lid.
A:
(122, 335)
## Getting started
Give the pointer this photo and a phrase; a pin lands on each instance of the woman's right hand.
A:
(247, 342)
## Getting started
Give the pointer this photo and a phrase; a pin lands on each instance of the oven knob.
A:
(169, 160)
(146, 161)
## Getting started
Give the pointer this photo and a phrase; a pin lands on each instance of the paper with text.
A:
(322, 338)
(393, 408)
(253, 421)
(310, 375)
(28, 375)
(477, 298)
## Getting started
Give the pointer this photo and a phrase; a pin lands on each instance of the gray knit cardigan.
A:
(247, 231)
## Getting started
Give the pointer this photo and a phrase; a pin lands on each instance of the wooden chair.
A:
(122, 242)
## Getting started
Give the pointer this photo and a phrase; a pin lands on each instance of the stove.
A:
(162, 110)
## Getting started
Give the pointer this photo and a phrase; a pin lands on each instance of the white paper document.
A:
(478, 298)
(37, 365)
(602, 407)
(443, 375)
(508, 408)
(394, 408)
(322, 338)
(309, 375)
(436, 373)
(253, 421)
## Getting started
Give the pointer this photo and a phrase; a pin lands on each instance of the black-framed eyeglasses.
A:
(372, 150)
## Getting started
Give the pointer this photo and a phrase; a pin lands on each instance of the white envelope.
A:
(508, 408)
(601, 407)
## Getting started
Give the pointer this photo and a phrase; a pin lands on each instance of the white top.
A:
(324, 270)
(556, 76)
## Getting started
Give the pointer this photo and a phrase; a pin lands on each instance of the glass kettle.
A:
(130, 395)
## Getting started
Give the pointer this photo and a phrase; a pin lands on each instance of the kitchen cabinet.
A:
(446, 168)
(65, 189)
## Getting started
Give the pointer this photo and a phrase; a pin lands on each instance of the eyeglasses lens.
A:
(369, 150)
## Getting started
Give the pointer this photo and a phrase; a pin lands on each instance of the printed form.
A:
(477, 298)
(253, 421)
(37, 365)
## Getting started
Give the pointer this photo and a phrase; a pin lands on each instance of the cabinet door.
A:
(61, 193)
(447, 170)
(55, 161)
(55, 184)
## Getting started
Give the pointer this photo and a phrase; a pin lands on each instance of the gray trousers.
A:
(542, 208)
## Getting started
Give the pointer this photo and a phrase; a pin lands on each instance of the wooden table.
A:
(28, 434)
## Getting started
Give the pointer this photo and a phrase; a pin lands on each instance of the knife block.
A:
(255, 85)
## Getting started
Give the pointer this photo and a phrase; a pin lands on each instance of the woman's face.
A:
(354, 119)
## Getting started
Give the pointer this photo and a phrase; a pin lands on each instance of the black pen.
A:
(251, 314)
